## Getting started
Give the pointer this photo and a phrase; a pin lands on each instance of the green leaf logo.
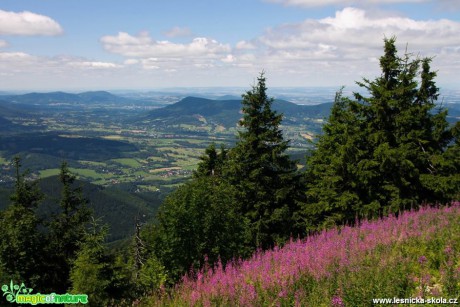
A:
(13, 290)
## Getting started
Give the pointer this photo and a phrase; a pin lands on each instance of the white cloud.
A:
(144, 46)
(228, 59)
(351, 28)
(27, 23)
(24, 62)
(131, 62)
(3, 43)
(345, 47)
(21, 70)
(179, 32)
(150, 63)
(244, 45)
(442, 4)
(335, 50)
(94, 64)
(313, 3)
(15, 56)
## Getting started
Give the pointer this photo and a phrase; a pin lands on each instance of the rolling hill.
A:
(66, 98)
(112, 206)
(65, 147)
(193, 110)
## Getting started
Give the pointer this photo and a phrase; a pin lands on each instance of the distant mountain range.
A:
(193, 110)
(66, 98)
(224, 111)
(4, 122)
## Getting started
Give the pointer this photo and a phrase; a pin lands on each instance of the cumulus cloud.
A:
(351, 28)
(313, 3)
(27, 23)
(179, 32)
(443, 4)
(144, 46)
(347, 46)
(335, 50)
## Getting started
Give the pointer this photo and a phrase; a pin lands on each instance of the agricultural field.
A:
(129, 147)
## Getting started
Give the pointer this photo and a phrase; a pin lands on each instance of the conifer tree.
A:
(212, 162)
(384, 152)
(21, 242)
(265, 177)
(91, 270)
(67, 230)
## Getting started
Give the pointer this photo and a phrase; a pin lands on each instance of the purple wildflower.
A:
(337, 301)
(422, 260)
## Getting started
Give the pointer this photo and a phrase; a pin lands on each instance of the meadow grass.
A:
(89, 173)
(127, 162)
(3, 160)
(414, 255)
(49, 172)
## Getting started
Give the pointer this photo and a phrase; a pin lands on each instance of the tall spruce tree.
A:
(91, 271)
(385, 152)
(67, 229)
(331, 194)
(21, 242)
(265, 177)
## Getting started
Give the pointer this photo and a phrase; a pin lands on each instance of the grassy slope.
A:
(417, 254)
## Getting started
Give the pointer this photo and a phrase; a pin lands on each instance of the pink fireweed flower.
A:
(448, 250)
(422, 260)
(337, 301)
(314, 257)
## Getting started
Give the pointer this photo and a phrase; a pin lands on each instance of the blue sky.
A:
(152, 44)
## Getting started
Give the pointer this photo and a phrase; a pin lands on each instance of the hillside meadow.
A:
(415, 254)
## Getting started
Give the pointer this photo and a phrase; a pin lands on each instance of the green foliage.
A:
(212, 162)
(21, 243)
(152, 276)
(90, 271)
(67, 229)
(383, 153)
(415, 255)
(102, 275)
(264, 176)
(198, 224)
(26, 194)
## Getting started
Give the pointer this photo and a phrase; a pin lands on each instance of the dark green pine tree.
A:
(100, 273)
(331, 174)
(212, 162)
(21, 242)
(67, 230)
(91, 271)
(386, 152)
(265, 177)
